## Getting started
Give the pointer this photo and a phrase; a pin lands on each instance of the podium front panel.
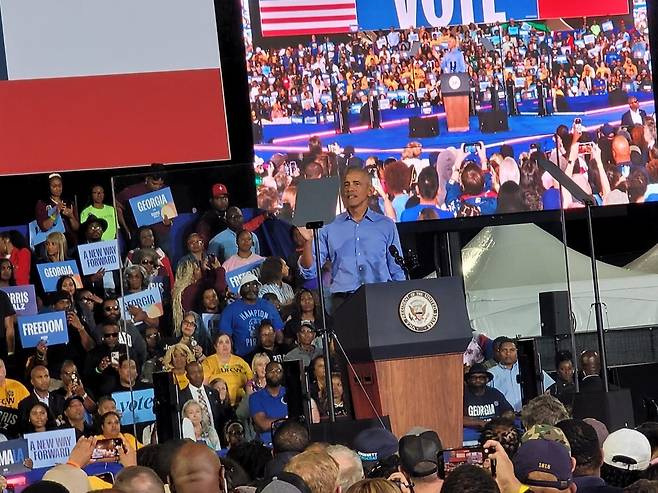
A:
(370, 327)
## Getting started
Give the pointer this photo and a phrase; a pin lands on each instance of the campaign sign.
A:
(210, 321)
(99, 255)
(12, 455)
(9, 416)
(401, 14)
(37, 236)
(148, 300)
(141, 406)
(234, 277)
(22, 298)
(49, 448)
(51, 327)
(151, 207)
(50, 272)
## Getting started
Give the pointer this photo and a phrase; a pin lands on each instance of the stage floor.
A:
(393, 137)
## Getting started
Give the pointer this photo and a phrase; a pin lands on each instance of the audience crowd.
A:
(308, 82)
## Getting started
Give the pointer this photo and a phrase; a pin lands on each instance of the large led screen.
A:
(339, 82)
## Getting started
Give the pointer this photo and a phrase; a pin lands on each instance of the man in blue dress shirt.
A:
(505, 374)
(356, 242)
(453, 61)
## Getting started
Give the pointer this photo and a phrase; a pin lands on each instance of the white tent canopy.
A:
(646, 263)
(506, 267)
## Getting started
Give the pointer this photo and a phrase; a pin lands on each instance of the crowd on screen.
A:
(615, 164)
(403, 68)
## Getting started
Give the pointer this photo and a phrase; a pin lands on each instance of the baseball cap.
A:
(219, 189)
(479, 369)
(608, 130)
(285, 482)
(68, 401)
(546, 432)
(627, 449)
(419, 453)
(247, 278)
(374, 444)
(542, 455)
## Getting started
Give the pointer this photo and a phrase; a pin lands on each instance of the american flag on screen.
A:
(306, 17)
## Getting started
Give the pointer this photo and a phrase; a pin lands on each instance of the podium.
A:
(406, 340)
(455, 89)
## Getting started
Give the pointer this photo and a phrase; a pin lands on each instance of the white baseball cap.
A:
(627, 449)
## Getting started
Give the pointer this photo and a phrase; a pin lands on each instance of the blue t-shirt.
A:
(240, 320)
(274, 407)
(411, 214)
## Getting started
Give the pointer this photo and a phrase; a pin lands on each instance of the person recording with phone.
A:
(358, 242)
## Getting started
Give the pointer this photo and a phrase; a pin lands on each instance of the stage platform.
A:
(389, 141)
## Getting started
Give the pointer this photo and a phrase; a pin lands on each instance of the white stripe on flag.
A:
(67, 38)
(307, 25)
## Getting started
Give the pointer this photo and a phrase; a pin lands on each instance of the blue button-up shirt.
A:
(358, 252)
(453, 62)
(505, 381)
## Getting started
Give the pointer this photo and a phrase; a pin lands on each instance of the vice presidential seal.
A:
(454, 82)
(419, 311)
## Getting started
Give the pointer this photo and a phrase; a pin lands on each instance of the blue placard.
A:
(141, 405)
(607, 26)
(210, 321)
(49, 448)
(512, 30)
(37, 236)
(52, 271)
(12, 455)
(148, 300)
(50, 326)
(384, 14)
(99, 255)
(22, 298)
(151, 207)
(233, 277)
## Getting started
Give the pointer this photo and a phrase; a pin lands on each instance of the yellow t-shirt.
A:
(236, 374)
(11, 393)
(182, 380)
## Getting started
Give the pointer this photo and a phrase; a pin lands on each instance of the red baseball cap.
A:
(219, 189)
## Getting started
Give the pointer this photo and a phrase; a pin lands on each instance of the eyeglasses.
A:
(111, 308)
(95, 226)
(276, 369)
(148, 262)
(88, 300)
(111, 334)
(188, 322)
(152, 336)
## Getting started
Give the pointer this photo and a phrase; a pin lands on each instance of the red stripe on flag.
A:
(309, 19)
(299, 8)
(551, 9)
(112, 121)
(303, 32)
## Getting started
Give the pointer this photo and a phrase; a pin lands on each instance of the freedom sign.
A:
(148, 300)
(151, 207)
(12, 455)
(234, 277)
(141, 406)
(51, 327)
(50, 272)
(49, 448)
(99, 255)
(23, 299)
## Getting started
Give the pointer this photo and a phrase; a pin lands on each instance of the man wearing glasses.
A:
(102, 362)
(269, 404)
(130, 337)
(634, 115)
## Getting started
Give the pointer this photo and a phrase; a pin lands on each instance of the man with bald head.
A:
(590, 364)
(138, 479)
(195, 468)
(621, 154)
